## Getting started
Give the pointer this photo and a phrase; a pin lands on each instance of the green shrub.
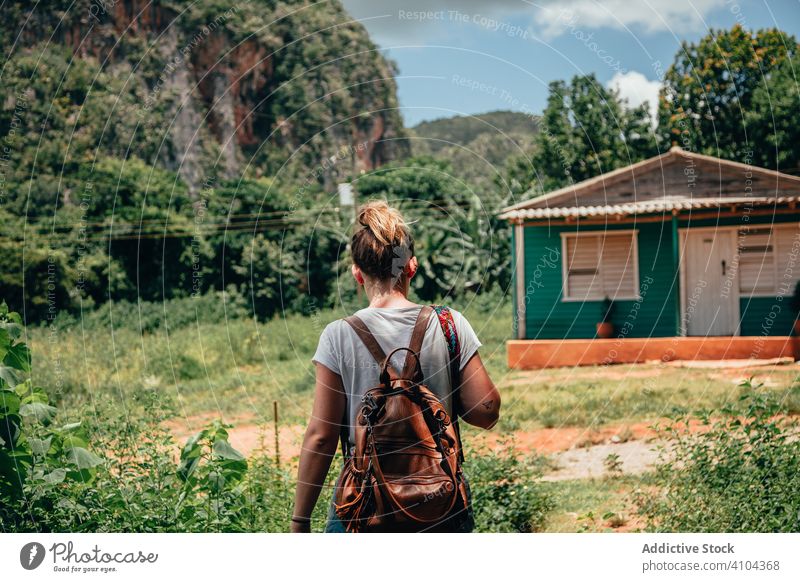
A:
(739, 473)
(505, 494)
(52, 481)
(36, 457)
(177, 365)
(139, 487)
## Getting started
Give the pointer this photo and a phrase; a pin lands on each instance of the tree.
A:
(720, 94)
(772, 120)
(420, 178)
(586, 129)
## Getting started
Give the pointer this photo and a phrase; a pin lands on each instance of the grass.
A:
(592, 505)
(595, 396)
(237, 368)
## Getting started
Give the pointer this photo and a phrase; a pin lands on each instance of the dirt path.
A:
(635, 457)
(576, 453)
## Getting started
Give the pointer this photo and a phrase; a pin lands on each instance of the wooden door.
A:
(711, 296)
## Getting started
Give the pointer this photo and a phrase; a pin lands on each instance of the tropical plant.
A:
(211, 471)
(607, 309)
(35, 455)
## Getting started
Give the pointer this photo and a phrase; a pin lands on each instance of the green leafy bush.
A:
(739, 473)
(51, 480)
(505, 494)
(35, 456)
(140, 486)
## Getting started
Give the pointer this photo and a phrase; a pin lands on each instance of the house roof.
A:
(648, 207)
(661, 184)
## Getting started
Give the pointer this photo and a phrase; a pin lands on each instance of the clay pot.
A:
(605, 329)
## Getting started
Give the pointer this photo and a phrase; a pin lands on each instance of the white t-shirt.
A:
(342, 351)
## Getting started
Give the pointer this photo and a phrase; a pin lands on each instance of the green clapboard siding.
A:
(655, 314)
(548, 317)
(766, 316)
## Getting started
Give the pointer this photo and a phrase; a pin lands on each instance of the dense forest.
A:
(157, 151)
(150, 148)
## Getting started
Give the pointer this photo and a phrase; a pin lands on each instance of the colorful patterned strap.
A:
(448, 326)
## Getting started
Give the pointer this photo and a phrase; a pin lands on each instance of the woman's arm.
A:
(479, 399)
(319, 444)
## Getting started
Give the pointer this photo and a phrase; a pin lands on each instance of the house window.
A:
(769, 261)
(756, 261)
(596, 265)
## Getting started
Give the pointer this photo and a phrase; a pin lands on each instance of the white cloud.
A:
(636, 89)
(392, 22)
(548, 18)
(655, 15)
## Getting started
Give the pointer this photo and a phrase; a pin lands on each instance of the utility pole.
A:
(347, 198)
(348, 205)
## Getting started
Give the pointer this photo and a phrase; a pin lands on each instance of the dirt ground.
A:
(573, 452)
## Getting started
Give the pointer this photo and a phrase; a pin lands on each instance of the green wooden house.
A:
(681, 246)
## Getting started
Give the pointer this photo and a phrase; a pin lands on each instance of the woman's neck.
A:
(387, 298)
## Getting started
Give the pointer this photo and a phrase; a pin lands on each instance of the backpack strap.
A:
(415, 345)
(448, 325)
(366, 336)
(375, 349)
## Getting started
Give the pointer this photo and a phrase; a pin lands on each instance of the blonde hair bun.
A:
(385, 222)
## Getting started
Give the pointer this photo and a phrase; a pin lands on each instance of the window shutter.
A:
(600, 265)
(617, 265)
(756, 261)
(582, 266)
(787, 249)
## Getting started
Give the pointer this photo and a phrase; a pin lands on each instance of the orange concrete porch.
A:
(553, 353)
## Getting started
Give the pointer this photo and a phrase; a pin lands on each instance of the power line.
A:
(442, 203)
(181, 231)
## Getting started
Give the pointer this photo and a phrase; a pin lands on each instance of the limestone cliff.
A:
(224, 88)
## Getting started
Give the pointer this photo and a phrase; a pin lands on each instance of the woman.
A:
(384, 264)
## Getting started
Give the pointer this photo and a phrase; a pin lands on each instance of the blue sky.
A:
(460, 57)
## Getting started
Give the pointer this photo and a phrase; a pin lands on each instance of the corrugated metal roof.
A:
(646, 207)
(554, 204)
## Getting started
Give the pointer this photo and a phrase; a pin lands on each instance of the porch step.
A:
(554, 353)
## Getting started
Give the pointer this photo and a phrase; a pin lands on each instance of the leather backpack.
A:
(405, 470)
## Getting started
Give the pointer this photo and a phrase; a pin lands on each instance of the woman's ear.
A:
(411, 267)
(357, 274)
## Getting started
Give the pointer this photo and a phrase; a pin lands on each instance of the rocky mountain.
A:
(212, 90)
